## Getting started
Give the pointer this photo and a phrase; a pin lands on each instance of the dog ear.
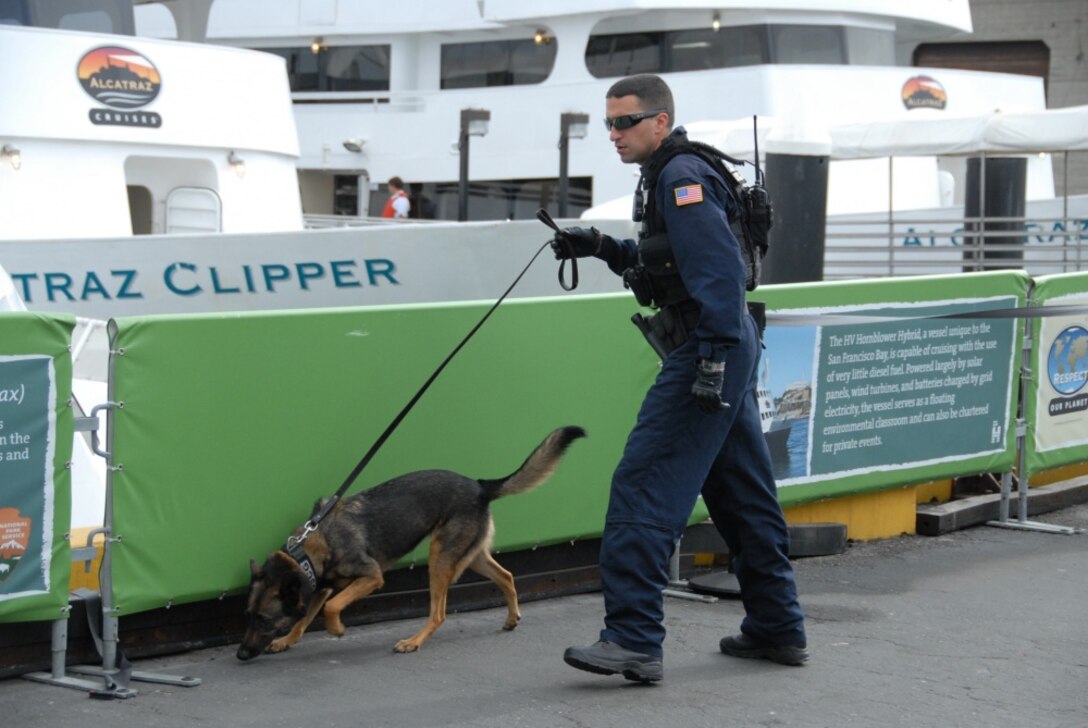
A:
(293, 586)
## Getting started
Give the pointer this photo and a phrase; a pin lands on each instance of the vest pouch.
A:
(638, 280)
(666, 285)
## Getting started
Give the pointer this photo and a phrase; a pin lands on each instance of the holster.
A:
(670, 327)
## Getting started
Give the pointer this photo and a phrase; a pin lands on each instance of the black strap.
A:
(331, 502)
(573, 270)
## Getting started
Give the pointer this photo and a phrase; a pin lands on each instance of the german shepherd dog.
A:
(367, 533)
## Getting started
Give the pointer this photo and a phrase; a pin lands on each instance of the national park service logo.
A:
(924, 92)
(14, 540)
(124, 81)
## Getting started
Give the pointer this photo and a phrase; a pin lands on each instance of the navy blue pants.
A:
(674, 452)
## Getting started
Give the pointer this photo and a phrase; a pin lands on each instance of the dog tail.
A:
(537, 468)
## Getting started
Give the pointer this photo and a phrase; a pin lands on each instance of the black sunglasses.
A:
(628, 120)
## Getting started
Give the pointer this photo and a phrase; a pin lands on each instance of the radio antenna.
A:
(755, 143)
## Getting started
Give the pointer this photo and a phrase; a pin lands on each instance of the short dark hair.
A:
(396, 182)
(652, 91)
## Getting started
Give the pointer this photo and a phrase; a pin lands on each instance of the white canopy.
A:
(931, 134)
(1050, 130)
(1028, 132)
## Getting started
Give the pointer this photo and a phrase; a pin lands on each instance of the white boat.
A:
(380, 93)
(191, 198)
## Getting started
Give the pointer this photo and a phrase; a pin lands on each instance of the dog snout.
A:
(252, 646)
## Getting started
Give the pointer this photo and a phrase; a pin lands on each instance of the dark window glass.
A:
(496, 63)
(357, 68)
(339, 68)
(808, 44)
(696, 49)
(870, 47)
(13, 12)
(624, 54)
(514, 199)
(106, 16)
(705, 48)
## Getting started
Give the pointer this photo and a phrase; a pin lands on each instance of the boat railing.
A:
(377, 101)
(908, 245)
(319, 222)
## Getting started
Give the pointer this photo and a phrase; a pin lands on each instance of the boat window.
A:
(704, 48)
(101, 16)
(870, 47)
(696, 49)
(139, 209)
(496, 63)
(510, 199)
(808, 44)
(357, 68)
(193, 210)
(624, 54)
(336, 68)
(13, 12)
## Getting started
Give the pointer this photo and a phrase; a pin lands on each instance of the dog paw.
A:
(336, 629)
(406, 646)
(280, 645)
(509, 625)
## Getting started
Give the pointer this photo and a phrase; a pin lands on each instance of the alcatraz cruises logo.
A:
(123, 80)
(923, 92)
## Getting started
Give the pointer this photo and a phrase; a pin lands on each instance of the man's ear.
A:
(662, 125)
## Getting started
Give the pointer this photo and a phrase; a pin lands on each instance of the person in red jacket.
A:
(398, 203)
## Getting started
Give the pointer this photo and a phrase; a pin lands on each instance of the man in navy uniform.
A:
(699, 426)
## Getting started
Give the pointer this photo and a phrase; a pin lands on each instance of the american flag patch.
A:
(688, 195)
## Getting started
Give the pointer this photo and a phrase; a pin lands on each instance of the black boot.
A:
(743, 645)
(608, 658)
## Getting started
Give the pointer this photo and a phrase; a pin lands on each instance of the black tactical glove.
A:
(576, 242)
(707, 389)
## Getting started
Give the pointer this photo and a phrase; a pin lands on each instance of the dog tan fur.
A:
(367, 533)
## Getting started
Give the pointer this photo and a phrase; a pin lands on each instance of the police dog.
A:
(367, 533)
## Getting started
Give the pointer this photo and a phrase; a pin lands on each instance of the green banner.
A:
(231, 426)
(899, 397)
(1056, 403)
(35, 446)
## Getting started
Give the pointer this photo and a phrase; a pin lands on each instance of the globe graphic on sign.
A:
(1067, 365)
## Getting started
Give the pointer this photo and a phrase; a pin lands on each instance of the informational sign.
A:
(1061, 387)
(913, 391)
(27, 394)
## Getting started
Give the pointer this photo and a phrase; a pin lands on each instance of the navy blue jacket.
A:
(706, 251)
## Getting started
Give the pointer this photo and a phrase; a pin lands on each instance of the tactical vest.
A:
(658, 282)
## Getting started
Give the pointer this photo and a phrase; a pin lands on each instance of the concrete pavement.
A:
(980, 627)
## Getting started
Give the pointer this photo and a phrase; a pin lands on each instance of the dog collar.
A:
(296, 552)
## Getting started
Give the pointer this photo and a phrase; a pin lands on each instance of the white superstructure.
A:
(118, 136)
(396, 78)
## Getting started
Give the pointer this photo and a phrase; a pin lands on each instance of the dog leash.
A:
(545, 218)
(294, 543)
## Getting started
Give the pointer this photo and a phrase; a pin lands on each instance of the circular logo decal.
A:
(923, 92)
(1067, 364)
(119, 77)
